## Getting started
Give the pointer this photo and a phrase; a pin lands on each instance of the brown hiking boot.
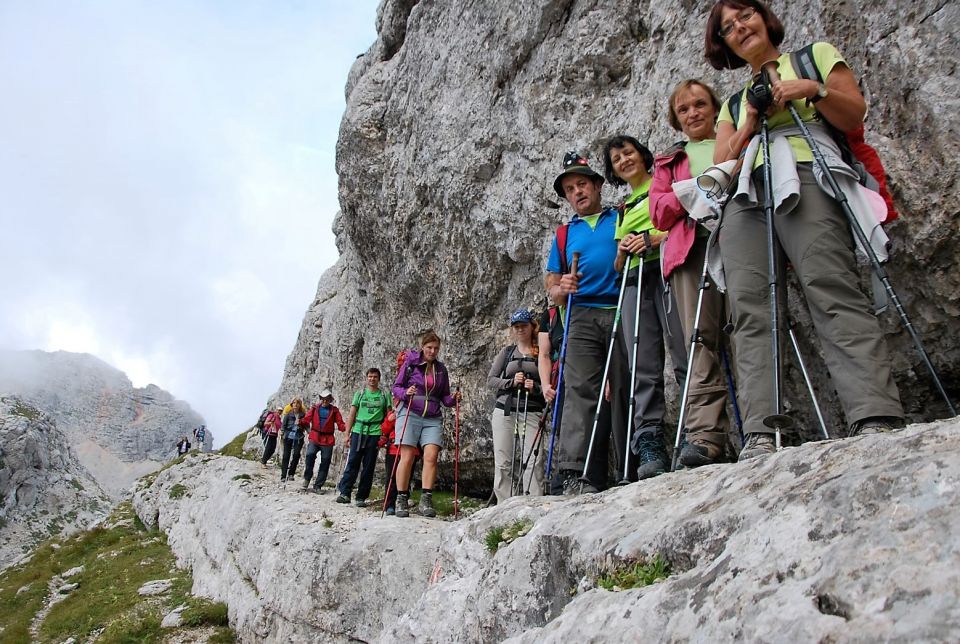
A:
(699, 452)
(872, 425)
(758, 444)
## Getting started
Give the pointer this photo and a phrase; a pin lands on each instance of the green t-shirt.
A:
(825, 57)
(637, 220)
(372, 408)
(700, 155)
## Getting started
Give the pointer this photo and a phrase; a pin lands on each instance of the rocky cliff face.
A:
(44, 490)
(118, 432)
(844, 540)
(456, 121)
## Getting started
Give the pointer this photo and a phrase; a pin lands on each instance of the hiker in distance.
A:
(292, 439)
(594, 288)
(692, 109)
(516, 416)
(183, 446)
(423, 387)
(810, 226)
(271, 430)
(322, 420)
(648, 317)
(368, 409)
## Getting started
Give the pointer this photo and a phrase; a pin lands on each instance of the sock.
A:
(426, 490)
(404, 492)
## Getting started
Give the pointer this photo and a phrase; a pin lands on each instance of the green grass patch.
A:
(203, 612)
(636, 574)
(235, 447)
(116, 562)
(222, 636)
(503, 535)
(77, 485)
(443, 502)
(177, 491)
(242, 477)
(22, 409)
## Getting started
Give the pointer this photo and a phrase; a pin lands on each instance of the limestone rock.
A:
(155, 587)
(119, 432)
(174, 619)
(44, 490)
(457, 118)
(846, 540)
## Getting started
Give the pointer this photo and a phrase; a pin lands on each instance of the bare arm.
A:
(843, 106)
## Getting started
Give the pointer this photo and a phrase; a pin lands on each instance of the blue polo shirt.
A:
(592, 237)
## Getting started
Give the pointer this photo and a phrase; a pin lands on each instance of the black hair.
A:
(620, 141)
(373, 370)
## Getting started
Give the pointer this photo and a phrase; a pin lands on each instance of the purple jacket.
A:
(412, 373)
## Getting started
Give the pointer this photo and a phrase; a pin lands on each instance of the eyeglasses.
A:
(743, 17)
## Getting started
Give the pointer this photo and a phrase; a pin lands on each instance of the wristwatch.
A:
(822, 92)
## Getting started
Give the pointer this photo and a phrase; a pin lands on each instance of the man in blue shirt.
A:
(595, 287)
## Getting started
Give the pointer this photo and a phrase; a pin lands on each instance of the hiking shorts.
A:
(419, 430)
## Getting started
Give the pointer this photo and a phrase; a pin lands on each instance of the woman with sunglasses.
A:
(813, 233)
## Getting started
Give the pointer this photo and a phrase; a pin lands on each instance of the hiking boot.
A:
(573, 485)
(653, 458)
(343, 498)
(391, 511)
(403, 505)
(699, 453)
(758, 444)
(872, 425)
(426, 505)
(317, 489)
(361, 503)
(306, 484)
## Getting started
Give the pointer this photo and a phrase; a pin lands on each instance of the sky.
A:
(167, 184)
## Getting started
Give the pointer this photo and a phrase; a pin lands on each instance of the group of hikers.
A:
(420, 390)
(689, 263)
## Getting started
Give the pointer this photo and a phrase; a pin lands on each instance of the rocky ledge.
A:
(847, 540)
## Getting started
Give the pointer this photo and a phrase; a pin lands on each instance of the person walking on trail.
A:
(292, 440)
(323, 420)
(388, 439)
(627, 161)
(693, 108)
(183, 446)
(367, 411)
(810, 226)
(519, 406)
(423, 386)
(200, 434)
(271, 430)
(595, 293)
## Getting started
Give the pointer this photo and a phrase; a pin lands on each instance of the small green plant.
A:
(635, 574)
(242, 477)
(235, 447)
(327, 523)
(177, 491)
(77, 485)
(222, 635)
(203, 612)
(502, 535)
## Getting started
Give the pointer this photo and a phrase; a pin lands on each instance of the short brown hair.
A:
(715, 48)
(683, 86)
(428, 337)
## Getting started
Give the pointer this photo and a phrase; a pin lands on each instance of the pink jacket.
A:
(666, 213)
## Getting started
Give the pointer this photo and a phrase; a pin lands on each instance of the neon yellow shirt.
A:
(637, 219)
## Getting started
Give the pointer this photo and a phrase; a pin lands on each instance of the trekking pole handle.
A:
(574, 263)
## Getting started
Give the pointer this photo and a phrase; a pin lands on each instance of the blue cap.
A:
(521, 315)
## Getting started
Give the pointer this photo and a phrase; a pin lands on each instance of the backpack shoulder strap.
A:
(508, 358)
(562, 231)
(804, 64)
(733, 104)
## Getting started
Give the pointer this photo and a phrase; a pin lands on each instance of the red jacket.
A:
(323, 436)
(271, 425)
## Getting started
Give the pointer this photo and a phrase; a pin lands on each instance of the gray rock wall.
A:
(457, 118)
(44, 490)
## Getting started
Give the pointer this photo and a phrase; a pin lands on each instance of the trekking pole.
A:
(778, 421)
(534, 452)
(806, 378)
(864, 242)
(732, 391)
(396, 461)
(695, 340)
(516, 433)
(523, 442)
(346, 452)
(456, 458)
(606, 373)
(632, 405)
(554, 425)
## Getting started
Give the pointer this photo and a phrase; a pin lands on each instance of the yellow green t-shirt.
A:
(637, 219)
(825, 57)
(700, 155)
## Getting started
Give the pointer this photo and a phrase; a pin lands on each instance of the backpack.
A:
(856, 152)
(263, 418)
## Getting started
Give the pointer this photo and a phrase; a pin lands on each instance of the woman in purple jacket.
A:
(424, 387)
